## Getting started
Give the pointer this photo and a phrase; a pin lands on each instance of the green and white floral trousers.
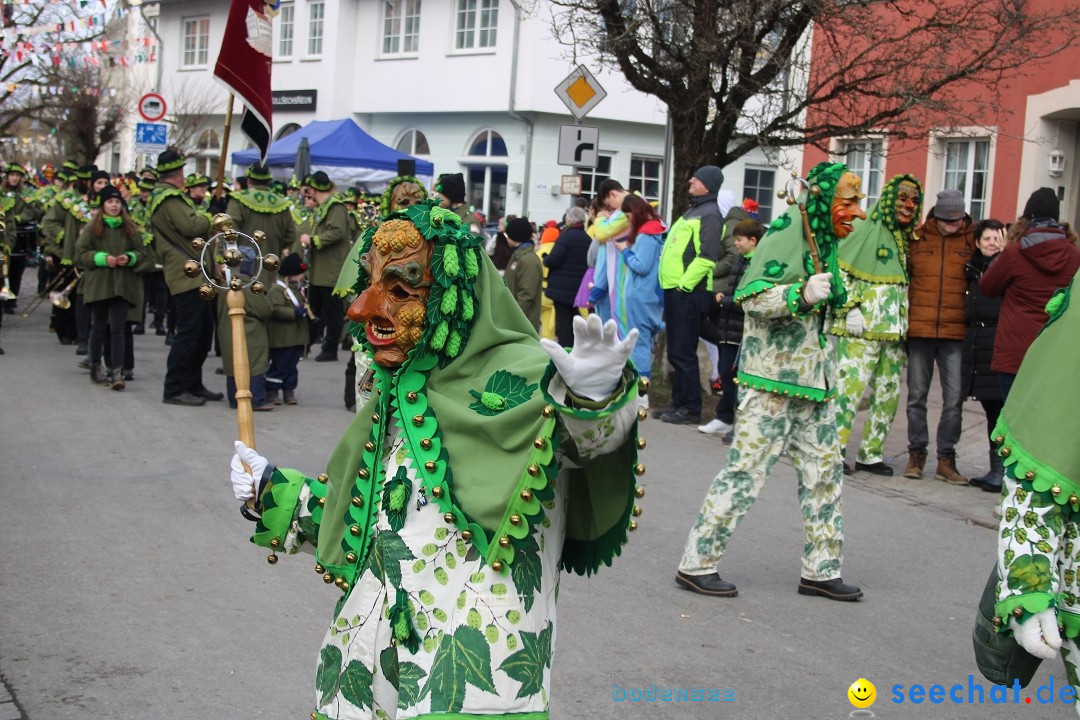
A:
(878, 364)
(1039, 557)
(766, 426)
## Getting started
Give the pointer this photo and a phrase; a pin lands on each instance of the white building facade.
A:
(468, 85)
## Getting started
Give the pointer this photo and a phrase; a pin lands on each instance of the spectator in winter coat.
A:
(566, 264)
(936, 328)
(1041, 257)
(981, 312)
(524, 273)
(724, 329)
(731, 215)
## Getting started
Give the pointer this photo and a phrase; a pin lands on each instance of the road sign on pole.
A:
(152, 107)
(579, 145)
(580, 92)
(151, 138)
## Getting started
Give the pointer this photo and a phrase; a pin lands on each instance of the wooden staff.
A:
(219, 191)
(814, 257)
(245, 421)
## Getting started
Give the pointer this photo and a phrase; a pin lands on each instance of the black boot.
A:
(98, 375)
(991, 481)
(115, 377)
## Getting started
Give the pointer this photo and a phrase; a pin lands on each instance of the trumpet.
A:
(48, 292)
(6, 292)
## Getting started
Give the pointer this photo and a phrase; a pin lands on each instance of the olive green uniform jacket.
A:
(175, 223)
(524, 276)
(258, 208)
(286, 330)
(331, 239)
(101, 282)
(257, 312)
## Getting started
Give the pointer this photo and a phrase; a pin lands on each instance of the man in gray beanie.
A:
(936, 328)
(693, 246)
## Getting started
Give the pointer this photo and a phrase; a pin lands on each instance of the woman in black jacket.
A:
(566, 264)
(981, 313)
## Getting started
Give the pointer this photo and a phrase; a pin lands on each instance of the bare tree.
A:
(192, 104)
(26, 66)
(736, 74)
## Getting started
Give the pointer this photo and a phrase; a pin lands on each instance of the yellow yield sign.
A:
(580, 92)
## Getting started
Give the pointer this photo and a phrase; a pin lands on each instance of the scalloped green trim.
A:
(754, 288)
(1019, 463)
(840, 331)
(799, 392)
(1031, 603)
(1071, 622)
(867, 277)
(274, 203)
(278, 501)
(626, 391)
(1058, 304)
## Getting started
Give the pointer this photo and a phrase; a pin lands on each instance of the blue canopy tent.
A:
(340, 149)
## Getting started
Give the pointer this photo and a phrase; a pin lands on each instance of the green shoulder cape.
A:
(1037, 428)
(262, 201)
(469, 402)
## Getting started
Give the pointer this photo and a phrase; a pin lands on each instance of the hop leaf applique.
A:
(472, 265)
(402, 623)
(467, 307)
(503, 391)
(774, 269)
(440, 215)
(438, 338)
(453, 344)
(395, 498)
(884, 254)
(779, 223)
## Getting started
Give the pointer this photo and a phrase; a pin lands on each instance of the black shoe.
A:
(138, 330)
(83, 364)
(207, 394)
(8, 310)
(991, 486)
(160, 332)
(680, 416)
(658, 412)
(81, 349)
(706, 584)
(128, 375)
(835, 589)
(326, 357)
(169, 339)
(848, 470)
(185, 398)
(878, 468)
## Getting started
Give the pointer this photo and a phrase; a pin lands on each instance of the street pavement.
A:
(128, 587)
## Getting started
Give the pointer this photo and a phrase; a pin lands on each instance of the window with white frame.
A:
(401, 27)
(208, 153)
(645, 177)
(967, 169)
(758, 186)
(477, 24)
(486, 172)
(413, 142)
(196, 45)
(316, 15)
(285, 25)
(592, 177)
(866, 158)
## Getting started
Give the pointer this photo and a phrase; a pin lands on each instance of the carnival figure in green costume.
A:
(789, 293)
(872, 324)
(481, 464)
(1039, 532)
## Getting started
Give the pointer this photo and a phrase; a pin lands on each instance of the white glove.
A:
(817, 288)
(1038, 634)
(243, 482)
(593, 367)
(855, 323)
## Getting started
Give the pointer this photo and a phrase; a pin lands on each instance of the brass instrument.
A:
(48, 292)
(5, 292)
(62, 299)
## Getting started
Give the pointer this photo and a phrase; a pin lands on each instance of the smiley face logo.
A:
(862, 693)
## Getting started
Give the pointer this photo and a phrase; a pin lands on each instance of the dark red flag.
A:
(243, 66)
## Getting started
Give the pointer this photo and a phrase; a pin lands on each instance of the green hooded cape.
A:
(470, 401)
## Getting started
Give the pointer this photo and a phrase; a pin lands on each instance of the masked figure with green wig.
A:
(871, 326)
(482, 463)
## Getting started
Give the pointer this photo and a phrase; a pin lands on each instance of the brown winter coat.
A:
(938, 282)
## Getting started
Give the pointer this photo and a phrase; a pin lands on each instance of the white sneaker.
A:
(716, 426)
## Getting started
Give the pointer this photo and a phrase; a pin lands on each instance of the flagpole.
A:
(219, 191)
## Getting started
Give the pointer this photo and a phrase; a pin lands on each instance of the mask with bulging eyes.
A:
(393, 308)
(404, 194)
